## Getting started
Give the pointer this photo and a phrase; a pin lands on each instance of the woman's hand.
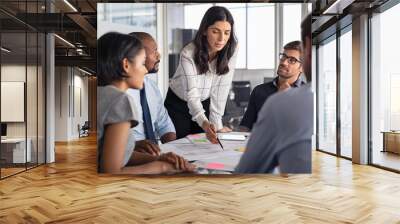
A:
(211, 133)
(225, 129)
(178, 162)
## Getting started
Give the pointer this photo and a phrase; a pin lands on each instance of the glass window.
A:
(31, 96)
(346, 94)
(291, 22)
(238, 11)
(327, 96)
(193, 15)
(41, 85)
(385, 89)
(13, 83)
(261, 36)
(126, 17)
(256, 44)
(22, 94)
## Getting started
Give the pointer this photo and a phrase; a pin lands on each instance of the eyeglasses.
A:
(291, 60)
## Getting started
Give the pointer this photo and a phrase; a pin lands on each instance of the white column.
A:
(314, 90)
(360, 90)
(162, 42)
(278, 32)
(50, 99)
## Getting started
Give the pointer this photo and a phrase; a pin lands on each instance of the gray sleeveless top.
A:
(114, 106)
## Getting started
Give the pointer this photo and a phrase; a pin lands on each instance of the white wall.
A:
(33, 126)
(69, 85)
(61, 103)
(17, 73)
(79, 117)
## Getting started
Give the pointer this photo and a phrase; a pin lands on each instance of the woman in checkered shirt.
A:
(200, 86)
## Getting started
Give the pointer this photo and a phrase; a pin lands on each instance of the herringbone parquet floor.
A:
(70, 191)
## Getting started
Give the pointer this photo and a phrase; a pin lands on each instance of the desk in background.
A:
(391, 141)
(13, 150)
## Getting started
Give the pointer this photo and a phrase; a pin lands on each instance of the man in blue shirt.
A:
(281, 137)
(154, 121)
(289, 71)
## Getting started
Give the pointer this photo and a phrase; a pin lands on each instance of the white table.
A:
(208, 157)
(17, 147)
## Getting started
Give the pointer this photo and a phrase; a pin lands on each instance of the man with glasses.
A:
(289, 71)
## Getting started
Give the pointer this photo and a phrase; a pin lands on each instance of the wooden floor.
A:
(70, 191)
(10, 171)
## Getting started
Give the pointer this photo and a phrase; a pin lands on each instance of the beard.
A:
(154, 69)
(282, 72)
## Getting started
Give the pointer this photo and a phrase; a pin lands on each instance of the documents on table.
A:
(198, 151)
(207, 155)
(226, 162)
(198, 139)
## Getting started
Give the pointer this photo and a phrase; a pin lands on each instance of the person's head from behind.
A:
(216, 36)
(120, 59)
(152, 54)
(290, 64)
(307, 44)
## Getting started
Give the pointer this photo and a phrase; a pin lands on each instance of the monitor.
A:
(3, 129)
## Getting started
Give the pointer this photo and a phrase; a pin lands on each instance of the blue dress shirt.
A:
(162, 123)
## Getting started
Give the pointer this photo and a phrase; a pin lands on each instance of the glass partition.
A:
(291, 22)
(22, 90)
(13, 103)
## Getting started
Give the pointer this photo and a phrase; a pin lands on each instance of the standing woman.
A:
(121, 60)
(200, 86)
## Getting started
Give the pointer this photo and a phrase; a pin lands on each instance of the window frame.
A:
(379, 10)
(334, 37)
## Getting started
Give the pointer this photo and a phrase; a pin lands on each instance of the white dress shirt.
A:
(193, 87)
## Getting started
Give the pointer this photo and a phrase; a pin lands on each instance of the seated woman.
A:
(121, 60)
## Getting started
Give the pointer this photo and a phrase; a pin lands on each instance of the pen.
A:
(220, 143)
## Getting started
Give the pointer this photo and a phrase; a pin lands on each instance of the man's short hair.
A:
(294, 45)
(142, 36)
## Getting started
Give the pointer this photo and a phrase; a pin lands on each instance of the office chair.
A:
(84, 130)
(242, 90)
(237, 103)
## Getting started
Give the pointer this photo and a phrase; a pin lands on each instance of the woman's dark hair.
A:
(214, 14)
(112, 48)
